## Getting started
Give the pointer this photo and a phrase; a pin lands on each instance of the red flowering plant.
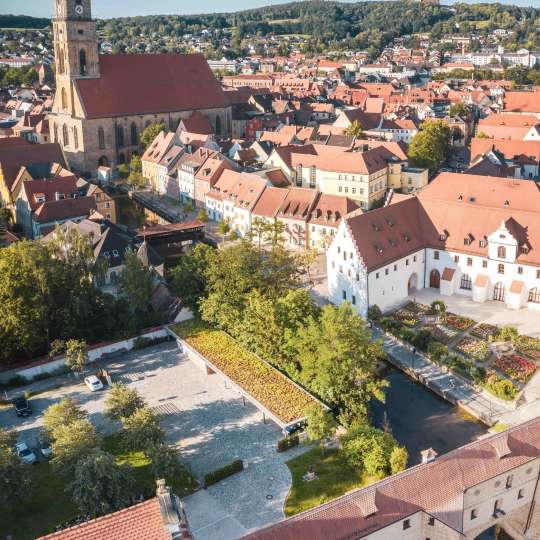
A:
(516, 367)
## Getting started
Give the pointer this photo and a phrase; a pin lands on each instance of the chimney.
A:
(366, 502)
(428, 455)
(172, 513)
(500, 444)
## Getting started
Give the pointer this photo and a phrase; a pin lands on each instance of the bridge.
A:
(171, 239)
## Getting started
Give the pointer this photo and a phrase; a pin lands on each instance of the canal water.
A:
(129, 212)
(419, 419)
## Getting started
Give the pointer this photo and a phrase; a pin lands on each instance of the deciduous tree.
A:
(62, 413)
(122, 401)
(99, 485)
(142, 430)
(321, 424)
(431, 145)
(150, 133)
(76, 355)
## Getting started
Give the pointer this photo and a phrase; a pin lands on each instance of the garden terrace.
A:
(267, 388)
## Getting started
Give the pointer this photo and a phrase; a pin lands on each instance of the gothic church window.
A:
(101, 138)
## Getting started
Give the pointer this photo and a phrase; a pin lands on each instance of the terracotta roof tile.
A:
(150, 84)
(139, 522)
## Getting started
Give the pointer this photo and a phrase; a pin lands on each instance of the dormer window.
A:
(483, 243)
(501, 252)
(442, 237)
(467, 241)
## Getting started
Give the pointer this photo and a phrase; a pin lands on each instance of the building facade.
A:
(103, 103)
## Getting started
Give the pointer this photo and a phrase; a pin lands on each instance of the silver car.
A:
(25, 454)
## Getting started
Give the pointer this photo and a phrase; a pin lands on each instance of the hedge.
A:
(219, 474)
(266, 384)
(288, 442)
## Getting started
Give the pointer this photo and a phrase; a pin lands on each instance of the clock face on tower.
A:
(79, 9)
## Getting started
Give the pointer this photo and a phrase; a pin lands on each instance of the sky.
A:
(125, 8)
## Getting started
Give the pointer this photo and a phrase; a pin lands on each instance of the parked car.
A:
(93, 383)
(25, 454)
(22, 406)
(45, 447)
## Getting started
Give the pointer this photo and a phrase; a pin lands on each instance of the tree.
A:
(6, 216)
(321, 424)
(8, 437)
(223, 229)
(150, 133)
(368, 449)
(135, 177)
(398, 459)
(354, 130)
(337, 361)
(71, 443)
(431, 145)
(202, 215)
(14, 476)
(99, 485)
(76, 355)
(459, 109)
(165, 463)
(62, 413)
(142, 430)
(136, 284)
(122, 401)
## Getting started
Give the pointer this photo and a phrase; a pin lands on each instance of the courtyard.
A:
(209, 424)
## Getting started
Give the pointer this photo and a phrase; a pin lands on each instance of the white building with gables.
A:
(475, 236)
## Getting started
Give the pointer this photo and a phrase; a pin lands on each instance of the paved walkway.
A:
(454, 389)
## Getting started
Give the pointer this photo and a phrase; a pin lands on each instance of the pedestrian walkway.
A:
(454, 389)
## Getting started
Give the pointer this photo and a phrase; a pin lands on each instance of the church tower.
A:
(75, 41)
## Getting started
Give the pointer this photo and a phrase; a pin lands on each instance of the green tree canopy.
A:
(99, 485)
(321, 424)
(136, 283)
(188, 281)
(122, 401)
(76, 355)
(431, 145)
(62, 413)
(150, 133)
(142, 430)
(355, 130)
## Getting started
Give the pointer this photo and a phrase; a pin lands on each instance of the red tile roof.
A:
(64, 209)
(329, 210)
(270, 202)
(65, 185)
(13, 155)
(436, 488)
(150, 84)
(139, 522)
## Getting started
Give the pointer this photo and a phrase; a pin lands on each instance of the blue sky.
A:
(119, 8)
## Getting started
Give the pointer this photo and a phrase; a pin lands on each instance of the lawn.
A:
(48, 504)
(335, 478)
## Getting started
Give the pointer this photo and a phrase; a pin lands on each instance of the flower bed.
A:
(457, 322)
(474, 348)
(266, 384)
(529, 346)
(441, 333)
(501, 388)
(406, 317)
(485, 331)
(417, 309)
(516, 367)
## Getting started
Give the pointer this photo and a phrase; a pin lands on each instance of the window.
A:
(469, 261)
(466, 282)
(377, 275)
(483, 243)
(521, 494)
(344, 294)
(101, 138)
(431, 521)
(134, 135)
(414, 258)
(339, 249)
(65, 135)
(333, 264)
(386, 272)
(500, 269)
(406, 524)
(354, 300)
(501, 252)
(456, 258)
(520, 270)
(75, 138)
(497, 507)
(357, 277)
(341, 268)
(395, 267)
(120, 136)
(509, 480)
(436, 255)
(474, 514)
(484, 264)
(64, 99)
(82, 62)
(406, 262)
(344, 255)
(534, 295)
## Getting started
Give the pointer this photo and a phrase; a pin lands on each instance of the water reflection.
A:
(419, 419)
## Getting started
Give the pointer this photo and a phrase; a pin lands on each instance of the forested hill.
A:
(360, 24)
(22, 21)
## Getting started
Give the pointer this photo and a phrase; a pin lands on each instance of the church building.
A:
(104, 102)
